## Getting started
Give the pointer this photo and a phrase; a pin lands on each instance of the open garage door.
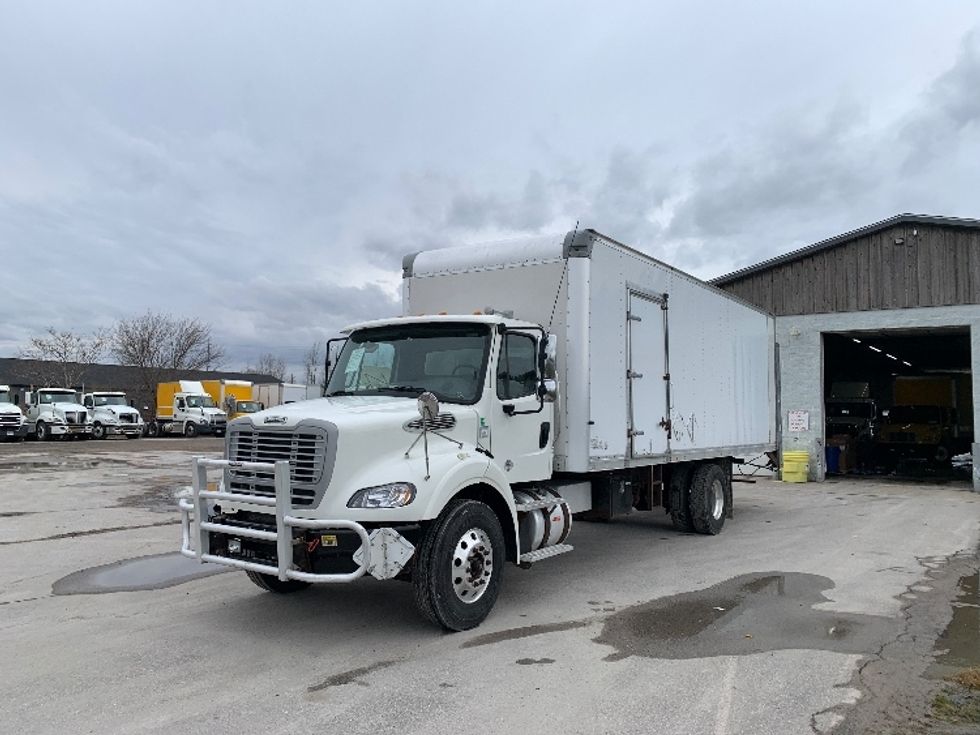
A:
(898, 402)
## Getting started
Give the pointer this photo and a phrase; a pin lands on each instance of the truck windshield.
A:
(200, 402)
(447, 359)
(915, 415)
(5, 397)
(247, 406)
(110, 400)
(65, 397)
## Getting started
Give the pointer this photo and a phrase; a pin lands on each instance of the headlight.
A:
(202, 420)
(393, 495)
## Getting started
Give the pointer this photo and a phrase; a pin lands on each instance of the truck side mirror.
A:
(550, 351)
(549, 390)
(28, 397)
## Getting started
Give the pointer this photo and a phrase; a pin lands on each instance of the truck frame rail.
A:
(196, 526)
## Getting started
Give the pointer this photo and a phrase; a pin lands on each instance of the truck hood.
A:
(117, 411)
(56, 407)
(349, 411)
(7, 408)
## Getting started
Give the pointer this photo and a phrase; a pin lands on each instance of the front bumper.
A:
(70, 429)
(124, 429)
(216, 429)
(383, 552)
(12, 432)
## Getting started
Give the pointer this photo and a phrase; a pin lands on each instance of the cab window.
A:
(517, 374)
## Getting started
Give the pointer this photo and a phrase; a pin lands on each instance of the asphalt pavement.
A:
(774, 626)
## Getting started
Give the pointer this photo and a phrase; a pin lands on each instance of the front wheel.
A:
(153, 430)
(458, 567)
(190, 429)
(274, 584)
(41, 432)
(98, 431)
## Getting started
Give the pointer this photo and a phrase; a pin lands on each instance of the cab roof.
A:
(491, 319)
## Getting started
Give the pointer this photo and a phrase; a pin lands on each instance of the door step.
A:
(545, 553)
(538, 504)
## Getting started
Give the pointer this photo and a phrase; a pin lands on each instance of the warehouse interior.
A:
(897, 402)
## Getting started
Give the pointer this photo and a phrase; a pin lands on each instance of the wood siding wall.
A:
(940, 266)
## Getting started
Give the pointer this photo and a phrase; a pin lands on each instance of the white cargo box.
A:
(654, 365)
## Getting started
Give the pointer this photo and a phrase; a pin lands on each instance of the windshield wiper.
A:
(408, 388)
(331, 394)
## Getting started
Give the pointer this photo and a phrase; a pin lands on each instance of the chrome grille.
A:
(70, 417)
(305, 450)
(82, 415)
(127, 418)
(442, 422)
(9, 419)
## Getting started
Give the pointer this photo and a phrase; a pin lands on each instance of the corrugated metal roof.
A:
(898, 219)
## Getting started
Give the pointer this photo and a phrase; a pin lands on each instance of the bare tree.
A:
(311, 363)
(269, 364)
(67, 355)
(156, 342)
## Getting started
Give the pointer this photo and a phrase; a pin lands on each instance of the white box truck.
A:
(277, 394)
(525, 384)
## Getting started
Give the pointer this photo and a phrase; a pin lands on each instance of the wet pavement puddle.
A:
(958, 646)
(131, 575)
(747, 614)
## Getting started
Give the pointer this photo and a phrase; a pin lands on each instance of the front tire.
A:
(274, 584)
(98, 431)
(709, 498)
(153, 430)
(41, 432)
(460, 560)
(190, 429)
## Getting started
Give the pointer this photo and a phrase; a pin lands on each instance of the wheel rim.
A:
(472, 565)
(717, 499)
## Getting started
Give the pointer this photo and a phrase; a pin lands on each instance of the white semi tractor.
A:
(55, 413)
(560, 379)
(13, 425)
(112, 415)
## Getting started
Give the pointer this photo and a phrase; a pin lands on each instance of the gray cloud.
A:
(266, 170)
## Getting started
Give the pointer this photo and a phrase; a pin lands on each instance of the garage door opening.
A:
(898, 402)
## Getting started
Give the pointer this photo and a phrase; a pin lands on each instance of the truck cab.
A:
(184, 407)
(112, 415)
(13, 425)
(54, 413)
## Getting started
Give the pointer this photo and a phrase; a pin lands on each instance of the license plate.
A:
(9, 432)
(328, 540)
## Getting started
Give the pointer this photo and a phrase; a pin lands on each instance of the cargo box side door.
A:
(646, 371)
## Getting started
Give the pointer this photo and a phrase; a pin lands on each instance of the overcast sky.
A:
(264, 166)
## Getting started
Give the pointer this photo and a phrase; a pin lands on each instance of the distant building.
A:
(24, 375)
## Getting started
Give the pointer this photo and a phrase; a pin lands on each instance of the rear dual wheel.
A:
(708, 502)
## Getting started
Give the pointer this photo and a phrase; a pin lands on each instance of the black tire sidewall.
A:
(701, 503)
(190, 430)
(433, 577)
(98, 431)
(276, 585)
(41, 432)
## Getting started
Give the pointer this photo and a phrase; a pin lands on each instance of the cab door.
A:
(522, 432)
(648, 376)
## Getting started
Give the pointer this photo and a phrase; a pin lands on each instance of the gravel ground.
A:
(820, 606)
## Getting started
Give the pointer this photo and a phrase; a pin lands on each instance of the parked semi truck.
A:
(561, 379)
(13, 425)
(184, 407)
(55, 413)
(112, 415)
(234, 397)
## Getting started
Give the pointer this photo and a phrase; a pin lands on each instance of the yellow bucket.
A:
(796, 465)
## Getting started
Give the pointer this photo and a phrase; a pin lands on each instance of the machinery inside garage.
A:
(898, 402)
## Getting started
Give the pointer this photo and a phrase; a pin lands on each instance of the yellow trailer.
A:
(234, 396)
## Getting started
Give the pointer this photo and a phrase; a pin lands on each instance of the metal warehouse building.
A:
(867, 324)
